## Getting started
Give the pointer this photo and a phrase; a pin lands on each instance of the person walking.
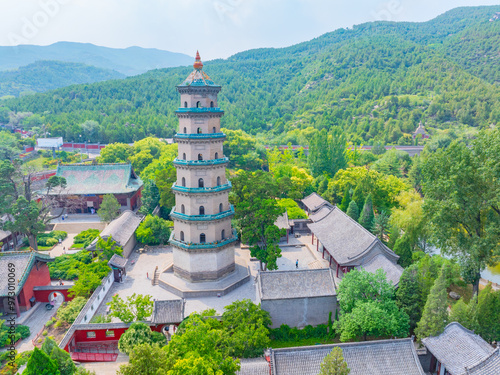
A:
(297, 264)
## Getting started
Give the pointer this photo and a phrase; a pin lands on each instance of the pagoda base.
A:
(201, 265)
(186, 289)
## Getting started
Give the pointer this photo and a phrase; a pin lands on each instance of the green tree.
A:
(137, 334)
(366, 218)
(87, 282)
(41, 364)
(61, 357)
(138, 307)
(327, 153)
(409, 295)
(154, 231)
(463, 211)
(247, 325)
(109, 208)
(106, 248)
(292, 208)
(381, 225)
(115, 153)
(254, 196)
(346, 199)
(353, 210)
(199, 347)
(435, 314)
(403, 248)
(25, 217)
(150, 198)
(488, 311)
(334, 363)
(146, 359)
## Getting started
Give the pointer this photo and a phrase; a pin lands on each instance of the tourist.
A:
(297, 263)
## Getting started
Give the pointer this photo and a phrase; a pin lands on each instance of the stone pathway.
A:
(36, 321)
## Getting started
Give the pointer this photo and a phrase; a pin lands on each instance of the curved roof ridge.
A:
(479, 363)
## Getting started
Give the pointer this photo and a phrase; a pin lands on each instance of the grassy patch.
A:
(463, 291)
(77, 246)
(40, 248)
(36, 163)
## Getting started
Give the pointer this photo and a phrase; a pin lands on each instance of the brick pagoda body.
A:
(202, 240)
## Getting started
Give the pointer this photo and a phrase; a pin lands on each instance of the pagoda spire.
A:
(198, 65)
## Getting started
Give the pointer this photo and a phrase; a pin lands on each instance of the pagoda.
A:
(202, 240)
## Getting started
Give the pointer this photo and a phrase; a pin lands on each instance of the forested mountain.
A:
(376, 82)
(48, 75)
(128, 61)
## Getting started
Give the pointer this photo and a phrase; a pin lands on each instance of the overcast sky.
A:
(218, 28)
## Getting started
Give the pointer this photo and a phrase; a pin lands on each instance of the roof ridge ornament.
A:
(198, 65)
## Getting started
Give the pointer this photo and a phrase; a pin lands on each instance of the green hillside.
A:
(49, 75)
(376, 81)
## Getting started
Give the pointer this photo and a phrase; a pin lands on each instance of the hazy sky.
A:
(218, 28)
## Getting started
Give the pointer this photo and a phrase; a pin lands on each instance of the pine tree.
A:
(109, 208)
(403, 248)
(346, 199)
(381, 225)
(41, 364)
(367, 216)
(435, 314)
(150, 197)
(357, 195)
(409, 295)
(334, 363)
(353, 211)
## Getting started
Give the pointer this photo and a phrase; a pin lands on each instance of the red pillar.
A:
(312, 238)
(317, 245)
(337, 270)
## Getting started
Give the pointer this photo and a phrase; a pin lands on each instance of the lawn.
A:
(302, 342)
(77, 246)
(37, 163)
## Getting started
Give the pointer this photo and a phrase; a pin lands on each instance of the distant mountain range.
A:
(128, 61)
(42, 76)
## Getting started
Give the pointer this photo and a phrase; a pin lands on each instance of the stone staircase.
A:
(156, 277)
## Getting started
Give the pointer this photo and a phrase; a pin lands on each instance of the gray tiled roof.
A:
(345, 239)
(121, 229)
(169, 311)
(321, 213)
(457, 348)
(383, 357)
(282, 221)
(314, 201)
(117, 261)
(393, 271)
(253, 366)
(296, 284)
(98, 179)
(490, 366)
(22, 262)
(4, 234)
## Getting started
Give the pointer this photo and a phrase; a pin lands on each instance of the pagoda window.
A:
(211, 104)
(222, 234)
(185, 130)
(182, 235)
(221, 207)
(183, 209)
(201, 183)
(203, 238)
(199, 131)
(185, 104)
(198, 104)
(218, 180)
(183, 182)
(184, 156)
(214, 130)
(216, 155)
(200, 157)
(202, 210)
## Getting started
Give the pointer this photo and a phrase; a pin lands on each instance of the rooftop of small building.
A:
(253, 366)
(321, 213)
(97, 179)
(168, 311)
(345, 239)
(120, 229)
(117, 261)
(282, 221)
(274, 285)
(382, 357)
(392, 270)
(314, 201)
(459, 349)
(21, 263)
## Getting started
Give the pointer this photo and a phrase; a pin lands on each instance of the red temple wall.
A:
(37, 277)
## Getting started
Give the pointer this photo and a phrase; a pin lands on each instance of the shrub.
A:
(57, 324)
(154, 231)
(70, 311)
(51, 242)
(86, 237)
(24, 331)
(138, 333)
(45, 333)
(50, 322)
